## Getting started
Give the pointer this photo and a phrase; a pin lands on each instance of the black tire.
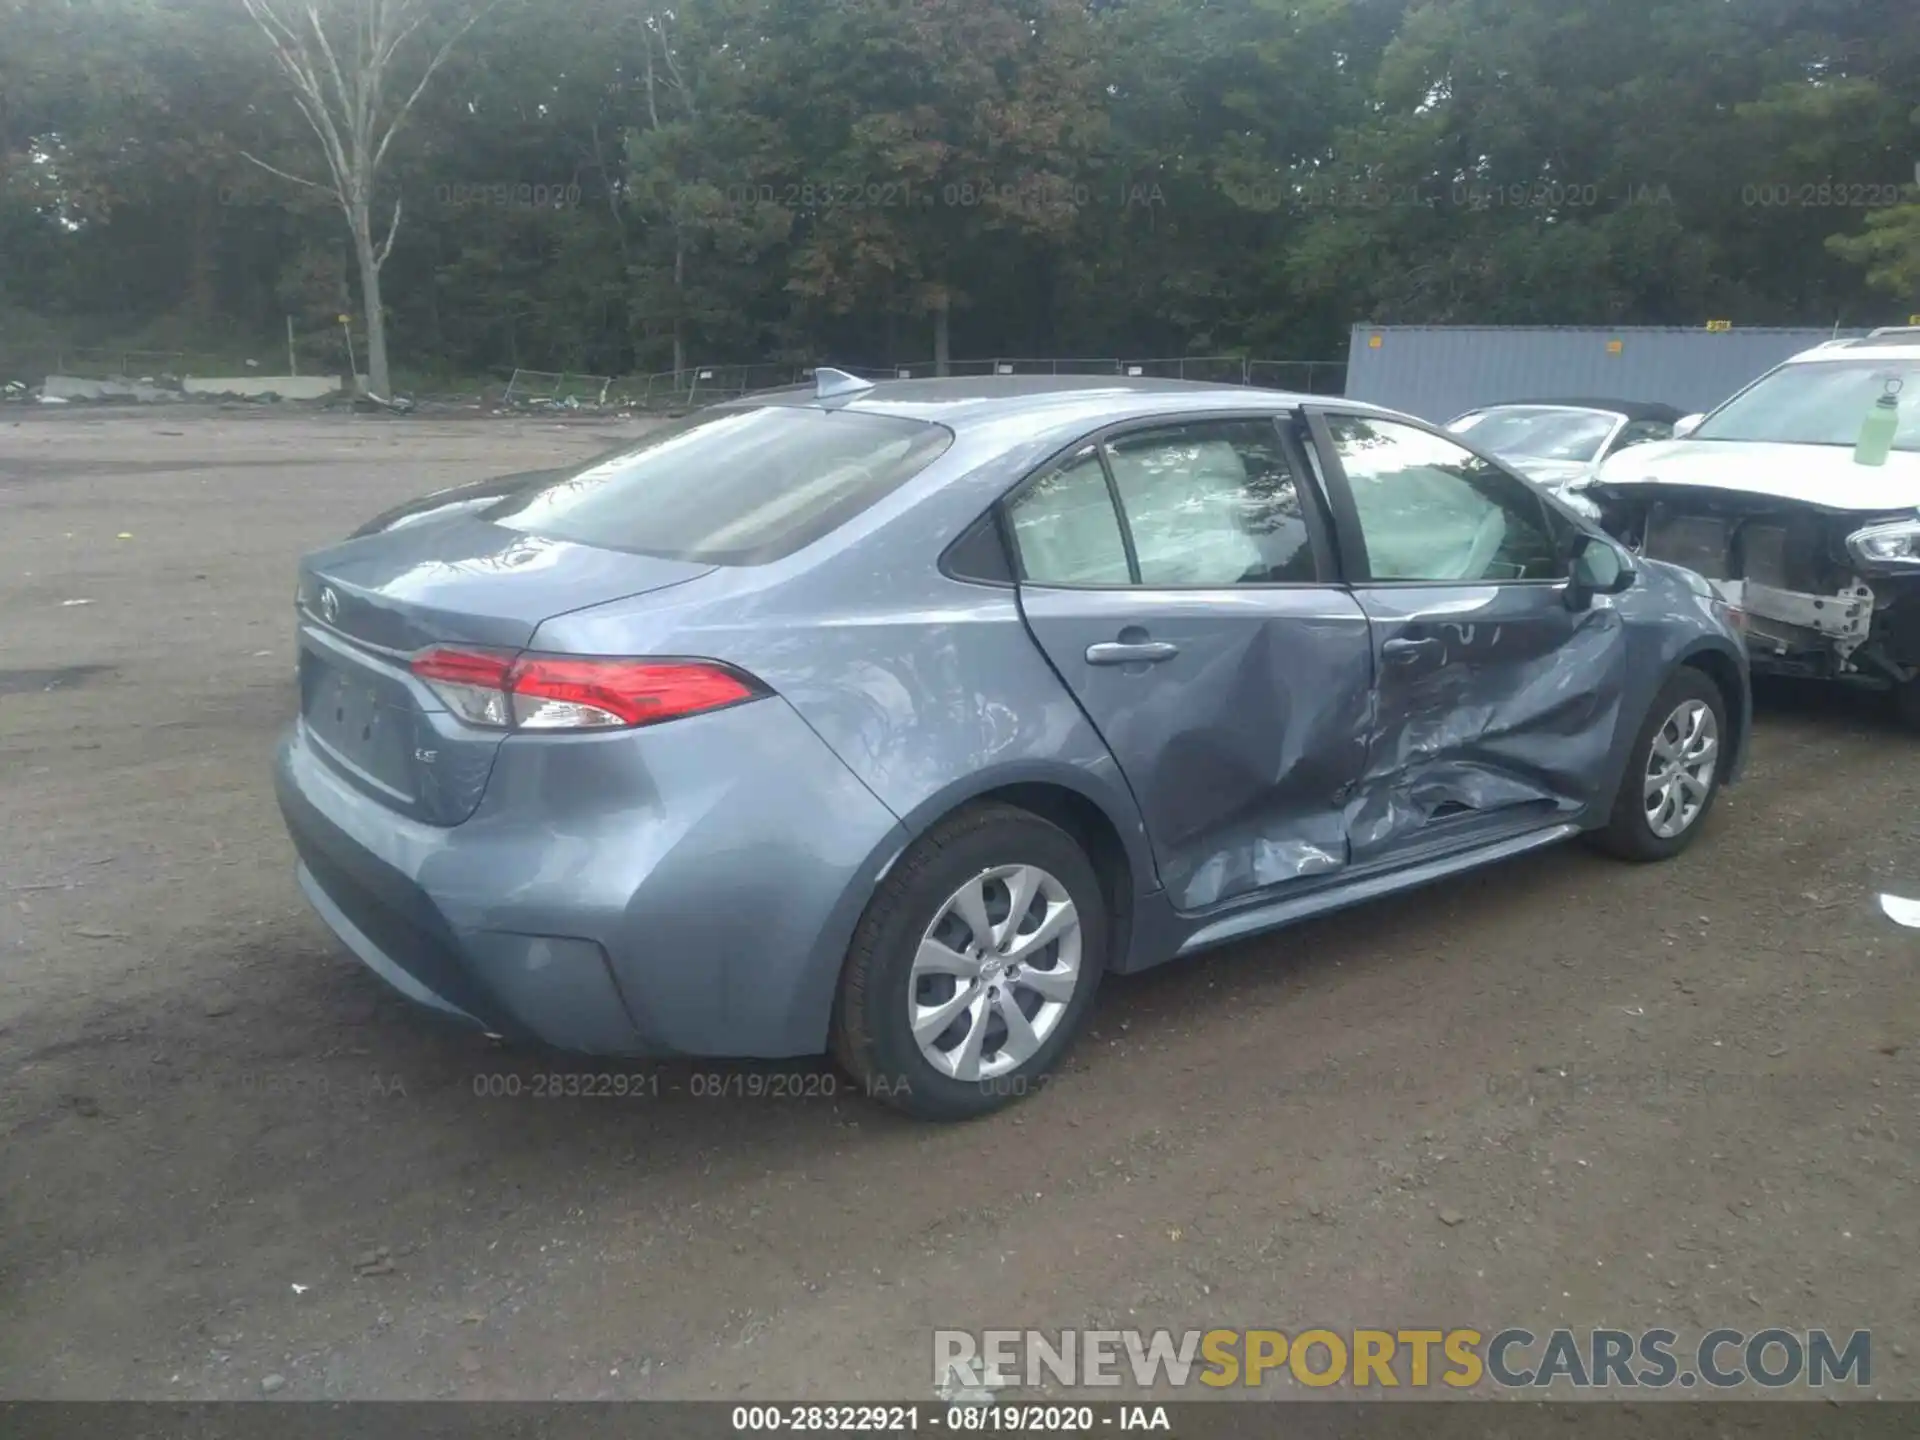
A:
(872, 1037)
(1629, 832)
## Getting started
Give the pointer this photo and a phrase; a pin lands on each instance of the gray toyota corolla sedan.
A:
(886, 719)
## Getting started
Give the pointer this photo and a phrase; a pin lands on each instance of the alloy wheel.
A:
(1679, 776)
(995, 972)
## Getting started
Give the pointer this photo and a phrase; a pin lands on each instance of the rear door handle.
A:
(1113, 652)
(1405, 652)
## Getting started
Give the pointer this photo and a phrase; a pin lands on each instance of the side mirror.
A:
(1598, 567)
(1686, 425)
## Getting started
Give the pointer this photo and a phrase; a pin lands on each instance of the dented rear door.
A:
(1495, 705)
(1175, 579)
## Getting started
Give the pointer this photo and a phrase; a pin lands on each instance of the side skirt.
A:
(1287, 910)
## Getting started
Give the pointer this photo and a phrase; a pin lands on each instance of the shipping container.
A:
(1438, 371)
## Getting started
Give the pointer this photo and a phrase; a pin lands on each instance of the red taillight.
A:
(564, 692)
(464, 667)
(472, 682)
(635, 692)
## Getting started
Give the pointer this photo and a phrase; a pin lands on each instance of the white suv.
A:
(1799, 499)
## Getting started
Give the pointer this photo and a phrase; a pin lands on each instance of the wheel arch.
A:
(1116, 844)
(1720, 663)
(1082, 803)
(1729, 678)
(1093, 829)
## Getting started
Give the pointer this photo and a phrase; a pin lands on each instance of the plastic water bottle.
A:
(1878, 429)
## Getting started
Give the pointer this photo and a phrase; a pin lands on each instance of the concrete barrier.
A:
(82, 387)
(252, 387)
(243, 387)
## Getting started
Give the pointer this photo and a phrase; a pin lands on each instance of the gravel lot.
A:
(1680, 1095)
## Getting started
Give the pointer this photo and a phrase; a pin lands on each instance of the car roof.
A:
(960, 402)
(1632, 409)
(1892, 342)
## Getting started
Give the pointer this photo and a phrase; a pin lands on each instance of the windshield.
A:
(730, 487)
(1538, 434)
(1820, 402)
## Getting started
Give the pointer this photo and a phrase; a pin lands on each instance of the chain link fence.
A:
(696, 385)
(557, 390)
(693, 386)
(32, 364)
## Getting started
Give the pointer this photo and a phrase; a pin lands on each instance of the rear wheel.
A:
(974, 965)
(1673, 773)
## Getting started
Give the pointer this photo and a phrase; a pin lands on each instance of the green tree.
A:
(928, 137)
(1889, 248)
(698, 157)
(611, 186)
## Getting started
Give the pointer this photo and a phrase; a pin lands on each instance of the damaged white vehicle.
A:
(1799, 499)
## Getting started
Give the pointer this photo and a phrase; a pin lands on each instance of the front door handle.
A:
(1405, 652)
(1113, 652)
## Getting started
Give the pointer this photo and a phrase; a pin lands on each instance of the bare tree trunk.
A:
(369, 261)
(615, 197)
(351, 114)
(206, 229)
(679, 302)
(433, 302)
(942, 313)
(655, 37)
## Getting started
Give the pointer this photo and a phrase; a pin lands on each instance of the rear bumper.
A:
(370, 951)
(685, 890)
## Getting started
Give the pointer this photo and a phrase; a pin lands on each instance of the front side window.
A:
(730, 486)
(1432, 510)
(1065, 528)
(1212, 503)
(1820, 402)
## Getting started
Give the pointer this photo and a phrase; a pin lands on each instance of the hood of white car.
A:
(1824, 475)
(1549, 472)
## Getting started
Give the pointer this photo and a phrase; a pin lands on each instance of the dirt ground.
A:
(1676, 1095)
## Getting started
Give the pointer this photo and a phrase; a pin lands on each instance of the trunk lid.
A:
(367, 605)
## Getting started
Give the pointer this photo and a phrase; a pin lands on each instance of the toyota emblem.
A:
(329, 605)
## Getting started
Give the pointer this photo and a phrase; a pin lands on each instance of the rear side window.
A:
(1213, 503)
(1066, 530)
(731, 487)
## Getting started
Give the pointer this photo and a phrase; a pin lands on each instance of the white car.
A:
(1562, 443)
(1799, 499)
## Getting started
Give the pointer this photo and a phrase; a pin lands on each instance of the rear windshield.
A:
(730, 487)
